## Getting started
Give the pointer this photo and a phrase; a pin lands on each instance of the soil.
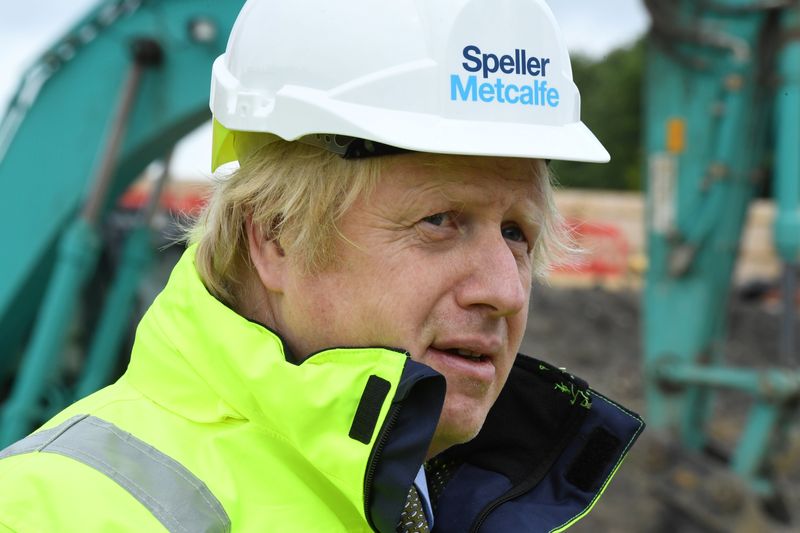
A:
(595, 334)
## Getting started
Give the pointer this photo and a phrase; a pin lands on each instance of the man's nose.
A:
(494, 279)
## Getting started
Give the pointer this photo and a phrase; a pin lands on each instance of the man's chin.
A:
(455, 428)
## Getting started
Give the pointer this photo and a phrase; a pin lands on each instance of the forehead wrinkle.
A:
(460, 171)
(463, 179)
(405, 199)
(517, 197)
(520, 169)
(506, 168)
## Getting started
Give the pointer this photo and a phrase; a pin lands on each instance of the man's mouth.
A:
(467, 354)
(475, 352)
(472, 363)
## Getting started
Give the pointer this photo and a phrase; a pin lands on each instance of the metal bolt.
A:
(734, 82)
(203, 30)
(65, 51)
(717, 170)
(718, 109)
(87, 33)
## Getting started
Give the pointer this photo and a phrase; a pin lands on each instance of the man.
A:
(354, 299)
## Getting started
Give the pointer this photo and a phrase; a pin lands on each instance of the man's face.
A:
(436, 260)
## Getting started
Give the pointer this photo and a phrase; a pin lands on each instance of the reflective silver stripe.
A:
(175, 496)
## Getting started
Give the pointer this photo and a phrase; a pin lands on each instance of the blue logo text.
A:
(537, 93)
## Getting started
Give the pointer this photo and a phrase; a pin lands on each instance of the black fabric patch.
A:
(369, 409)
(587, 469)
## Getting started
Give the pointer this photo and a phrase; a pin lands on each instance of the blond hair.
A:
(296, 194)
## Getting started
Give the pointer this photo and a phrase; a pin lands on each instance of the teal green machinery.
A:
(131, 79)
(722, 113)
(110, 97)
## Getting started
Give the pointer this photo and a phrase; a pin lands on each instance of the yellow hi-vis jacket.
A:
(213, 428)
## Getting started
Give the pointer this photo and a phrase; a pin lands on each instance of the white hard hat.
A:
(473, 77)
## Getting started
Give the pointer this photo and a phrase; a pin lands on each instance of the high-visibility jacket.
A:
(213, 428)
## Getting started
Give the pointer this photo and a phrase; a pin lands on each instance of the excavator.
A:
(721, 125)
(108, 98)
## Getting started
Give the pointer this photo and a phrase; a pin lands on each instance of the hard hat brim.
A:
(296, 111)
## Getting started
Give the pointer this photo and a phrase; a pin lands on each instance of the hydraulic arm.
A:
(114, 94)
(722, 108)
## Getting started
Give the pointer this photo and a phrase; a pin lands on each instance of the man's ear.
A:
(267, 256)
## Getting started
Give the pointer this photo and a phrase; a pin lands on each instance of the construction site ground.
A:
(595, 333)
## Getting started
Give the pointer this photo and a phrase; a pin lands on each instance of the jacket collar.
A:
(225, 366)
(199, 359)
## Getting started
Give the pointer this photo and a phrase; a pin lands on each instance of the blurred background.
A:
(683, 305)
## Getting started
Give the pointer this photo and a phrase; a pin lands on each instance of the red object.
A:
(605, 249)
(185, 200)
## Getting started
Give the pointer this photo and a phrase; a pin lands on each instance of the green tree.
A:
(611, 101)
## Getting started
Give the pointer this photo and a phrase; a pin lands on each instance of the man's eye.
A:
(512, 232)
(438, 219)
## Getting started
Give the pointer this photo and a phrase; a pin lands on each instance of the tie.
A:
(412, 519)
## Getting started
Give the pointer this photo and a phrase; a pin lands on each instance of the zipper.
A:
(516, 492)
(530, 483)
(510, 495)
(375, 456)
